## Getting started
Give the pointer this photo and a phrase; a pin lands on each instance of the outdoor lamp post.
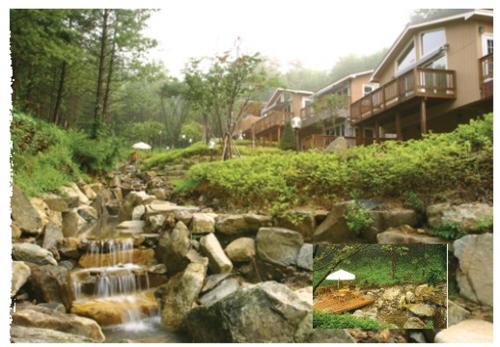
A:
(296, 125)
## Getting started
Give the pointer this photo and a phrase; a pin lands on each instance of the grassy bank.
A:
(323, 320)
(459, 161)
(45, 156)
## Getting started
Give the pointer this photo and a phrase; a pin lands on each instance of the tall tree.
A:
(100, 74)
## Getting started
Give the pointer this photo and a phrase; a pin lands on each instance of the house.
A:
(436, 75)
(327, 115)
(282, 106)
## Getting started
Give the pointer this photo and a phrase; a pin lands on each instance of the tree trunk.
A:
(60, 90)
(102, 56)
(109, 79)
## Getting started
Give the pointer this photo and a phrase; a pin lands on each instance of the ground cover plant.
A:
(326, 320)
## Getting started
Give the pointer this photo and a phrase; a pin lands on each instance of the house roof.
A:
(410, 28)
(279, 90)
(337, 83)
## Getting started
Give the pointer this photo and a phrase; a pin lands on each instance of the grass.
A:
(456, 161)
(45, 157)
(324, 320)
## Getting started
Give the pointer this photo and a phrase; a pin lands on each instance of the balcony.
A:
(309, 116)
(420, 82)
(272, 120)
(486, 76)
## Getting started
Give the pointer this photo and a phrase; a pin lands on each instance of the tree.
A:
(329, 106)
(395, 252)
(223, 90)
(288, 141)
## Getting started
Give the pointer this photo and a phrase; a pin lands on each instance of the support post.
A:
(377, 132)
(399, 133)
(423, 117)
(362, 135)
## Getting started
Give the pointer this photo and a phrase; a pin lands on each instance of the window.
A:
(487, 43)
(368, 88)
(432, 40)
(407, 58)
(440, 62)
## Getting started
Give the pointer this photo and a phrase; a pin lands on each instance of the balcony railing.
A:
(486, 75)
(322, 141)
(273, 119)
(424, 82)
(309, 116)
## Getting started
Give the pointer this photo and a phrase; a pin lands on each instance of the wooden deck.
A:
(322, 141)
(486, 76)
(341, 301)
(274, 119)
(419, 82)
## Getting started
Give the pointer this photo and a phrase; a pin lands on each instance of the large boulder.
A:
(266, 312)
(338, 145)
(475, 269)
(60, 203)
(132, 200)
(305, 257)
(334, 228)
(239, 224)
(27, 218)
(72, 191)
(241, 249)
(222, 290)
(20, 334)
(203, 223)
(469, 217)
(52, 235)
(278, 246)
(20, 274)
(456, 313)
(467, 331)
(130, 227)
(301, 220)
(32, 253)
(173, 247)
(218, 260)
(405, 234)
(50, 283)
(41, 317)
(73, 224)
(179, 294)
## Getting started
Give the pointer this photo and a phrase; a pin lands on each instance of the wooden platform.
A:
(340, 301)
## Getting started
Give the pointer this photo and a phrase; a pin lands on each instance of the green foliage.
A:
(358, 218)
(324, 320)
(192, 130)
(287, 141)
(160, 158)
(483, 225)
(413, 201)
(45, 157)
(448, 230)
(150, 132)
(460, 160)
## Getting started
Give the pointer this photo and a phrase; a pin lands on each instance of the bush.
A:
(358, 218)
(324, 320)
(461, 160)
(159, 159)
(448, 231)
(288, 141)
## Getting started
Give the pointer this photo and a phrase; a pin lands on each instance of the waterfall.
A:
(114, 278)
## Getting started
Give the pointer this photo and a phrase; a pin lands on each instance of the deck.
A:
(486, 76)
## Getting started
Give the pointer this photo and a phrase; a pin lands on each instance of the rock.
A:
(159, 193)
(414, 323)
(88, 213)
(16, 231)
(69, 247)
(241, 249)
(32, 253)
(88, 191)
(337, 146)
(239, 224)
(173, 248)
(20, 274)
(278, 245)
(421, 310)
(156, 223)
(131, 227)
(469, 217)
(301, 220)
(184, 216)
(27, 218)
(456, 313)
(138, 212)
(141, 256)
(115, 311)
(305, 294)
(391, 294)
(410, 297)
(73, 224)
(60, 203)
(20, 334)
(50, 283)
(218, 260)
(417, 336)
(71, 191)
(370, 314)
(222, 290)
(213, 280)
(40, 317)
(266, 312)
(132, 200)
(393, 218)
(203, 223)
(405, 234)
(165, 208)
(52, 235)
(305, 257)
(334, 228)
(467, 331)
(330, 336)
(179, 294)
(475, 270)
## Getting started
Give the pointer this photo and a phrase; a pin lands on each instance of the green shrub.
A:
(324, 320)
(448, 230)
(160, 158)
(414, 202)
(288, 141)
(358, 218)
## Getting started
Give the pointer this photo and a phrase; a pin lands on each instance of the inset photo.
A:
(374, 286)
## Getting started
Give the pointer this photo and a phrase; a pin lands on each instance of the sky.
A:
(314, 33)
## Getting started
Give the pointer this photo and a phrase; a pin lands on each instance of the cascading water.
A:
(115, 279)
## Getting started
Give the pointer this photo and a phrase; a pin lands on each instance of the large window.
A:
(432, 40)
(487, 43)
(407, 58)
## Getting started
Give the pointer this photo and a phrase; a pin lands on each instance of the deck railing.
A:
(486, 75)
(310, 116)
(322, 141)
(271, 120)
(426, 82)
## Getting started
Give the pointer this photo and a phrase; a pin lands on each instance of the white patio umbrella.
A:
(341, 275)
(141, 145)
